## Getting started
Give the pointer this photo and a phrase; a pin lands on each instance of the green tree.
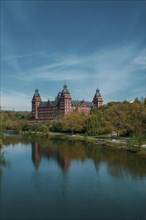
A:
(93, 125)
(115, 118)
(56, 126)
(73, 122)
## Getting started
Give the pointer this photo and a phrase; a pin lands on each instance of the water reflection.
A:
(119, 164)
(36, 156)
(3, 161)
(50, 152)
(69, 180)
(15, 139)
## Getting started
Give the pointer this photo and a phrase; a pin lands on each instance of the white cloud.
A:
(140, 60)
(63, 69)
(115, 71)
(21, 56)
(11, 100)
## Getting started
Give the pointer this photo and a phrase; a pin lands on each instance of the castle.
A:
(62, 105)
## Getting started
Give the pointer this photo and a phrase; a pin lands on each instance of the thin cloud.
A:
(103, 65)
(67, 68)
(15, 57)
(12, 100)
(115, 71)
(140, 60)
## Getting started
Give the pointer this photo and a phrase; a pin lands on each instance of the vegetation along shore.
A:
(117, 125)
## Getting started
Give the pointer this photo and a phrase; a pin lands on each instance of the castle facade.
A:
(62, 105)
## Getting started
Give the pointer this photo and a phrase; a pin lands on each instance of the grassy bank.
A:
(118, 144)
(123, 144)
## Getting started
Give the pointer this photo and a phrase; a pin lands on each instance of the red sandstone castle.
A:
(62, 105)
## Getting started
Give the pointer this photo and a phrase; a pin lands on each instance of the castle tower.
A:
(36, 100)
(97, 100)
(64, 101)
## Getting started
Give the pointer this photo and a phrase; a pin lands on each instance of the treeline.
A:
(119, 118)
(11, 120)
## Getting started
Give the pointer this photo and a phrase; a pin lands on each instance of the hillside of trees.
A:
(121, 118)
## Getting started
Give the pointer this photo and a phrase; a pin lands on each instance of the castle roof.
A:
(65, 90)
(97, 93)
(36, 93)
(74, 103)
(43, 104)
(78, 103)
(89, 104)
(55, 103)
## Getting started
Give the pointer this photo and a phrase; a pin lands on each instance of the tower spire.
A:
(97, 100)
(36, 100)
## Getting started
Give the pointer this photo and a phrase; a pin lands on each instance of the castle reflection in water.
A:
(39, 152)
(118, 164)
(64, 153)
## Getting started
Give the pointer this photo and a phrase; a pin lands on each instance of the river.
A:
(61, 180)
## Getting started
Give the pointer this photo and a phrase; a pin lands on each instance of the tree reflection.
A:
(7, 140)
(119, 164)
(3, 161)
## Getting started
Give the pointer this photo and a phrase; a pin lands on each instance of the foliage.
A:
(73, 122)
(13, 120)
(121, 118)
(93, 123)
(126, 118)
(56, 126)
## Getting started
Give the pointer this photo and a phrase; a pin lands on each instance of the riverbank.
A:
(117, 144)
(124, 144)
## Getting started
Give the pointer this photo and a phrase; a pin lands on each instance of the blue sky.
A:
(87, 44)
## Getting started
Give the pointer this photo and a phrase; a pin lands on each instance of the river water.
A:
(56, 180)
